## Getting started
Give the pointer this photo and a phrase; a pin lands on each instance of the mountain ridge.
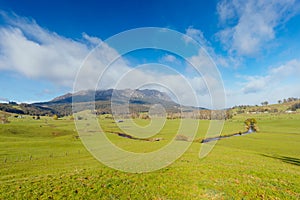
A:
(136, 99)
(148, 95)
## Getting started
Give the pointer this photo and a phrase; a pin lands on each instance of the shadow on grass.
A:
(286, 159)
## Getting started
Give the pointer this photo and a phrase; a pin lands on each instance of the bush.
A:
(144, 116)
(251, 124)
(295, 107)
(4, 121)
(79, 118)
(4, 118)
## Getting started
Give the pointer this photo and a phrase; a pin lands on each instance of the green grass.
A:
(43, 159)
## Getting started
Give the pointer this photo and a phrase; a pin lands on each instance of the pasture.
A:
(45, 159)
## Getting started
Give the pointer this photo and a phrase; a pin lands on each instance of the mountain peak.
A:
(144, 96)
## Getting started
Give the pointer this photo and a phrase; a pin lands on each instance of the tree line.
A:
(290, 99)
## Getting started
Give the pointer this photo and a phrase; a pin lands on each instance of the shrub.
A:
(79, 118)
(295, 107)
(144, 116)
(251, 124)
(4, 118)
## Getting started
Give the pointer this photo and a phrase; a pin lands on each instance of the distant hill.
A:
(138, 100)
(134, 96)
(26, 109)
(291, 105)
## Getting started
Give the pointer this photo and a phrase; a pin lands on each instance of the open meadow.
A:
(150, 100)
(45, 159)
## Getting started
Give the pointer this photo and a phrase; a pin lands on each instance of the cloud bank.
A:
(37, 53)
(247, 28)
(278, 83)
(40, 54)
(250, 25)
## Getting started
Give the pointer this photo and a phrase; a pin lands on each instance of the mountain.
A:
(133, 96)
(138, 100)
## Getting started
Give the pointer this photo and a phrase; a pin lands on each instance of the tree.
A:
(279, 101)
(55, 117)
(251, 124)
(295, 107)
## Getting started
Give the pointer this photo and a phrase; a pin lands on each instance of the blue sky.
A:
(254, 44)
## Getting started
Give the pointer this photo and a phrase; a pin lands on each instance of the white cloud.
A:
(211, 76)
(195, 34)
(37, 53)
(226, 11)
(278, 83)
(169, 58)
(274, 77)
(202, 60)
(40, 54)
(250, 25)
(156, 76)
(198, 36)
(188, 91)
(255, 84)
(92, 40)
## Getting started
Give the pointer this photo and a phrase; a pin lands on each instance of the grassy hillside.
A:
(43, 159)
(272, 108)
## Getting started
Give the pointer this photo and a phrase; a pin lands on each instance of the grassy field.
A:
(44, 159)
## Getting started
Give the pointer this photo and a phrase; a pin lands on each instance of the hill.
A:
(134, 96)
(138, 100)
(27, 109)
(281, 107)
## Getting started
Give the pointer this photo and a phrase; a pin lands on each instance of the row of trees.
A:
(266, 103)
(202, 114)
(291, 99)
